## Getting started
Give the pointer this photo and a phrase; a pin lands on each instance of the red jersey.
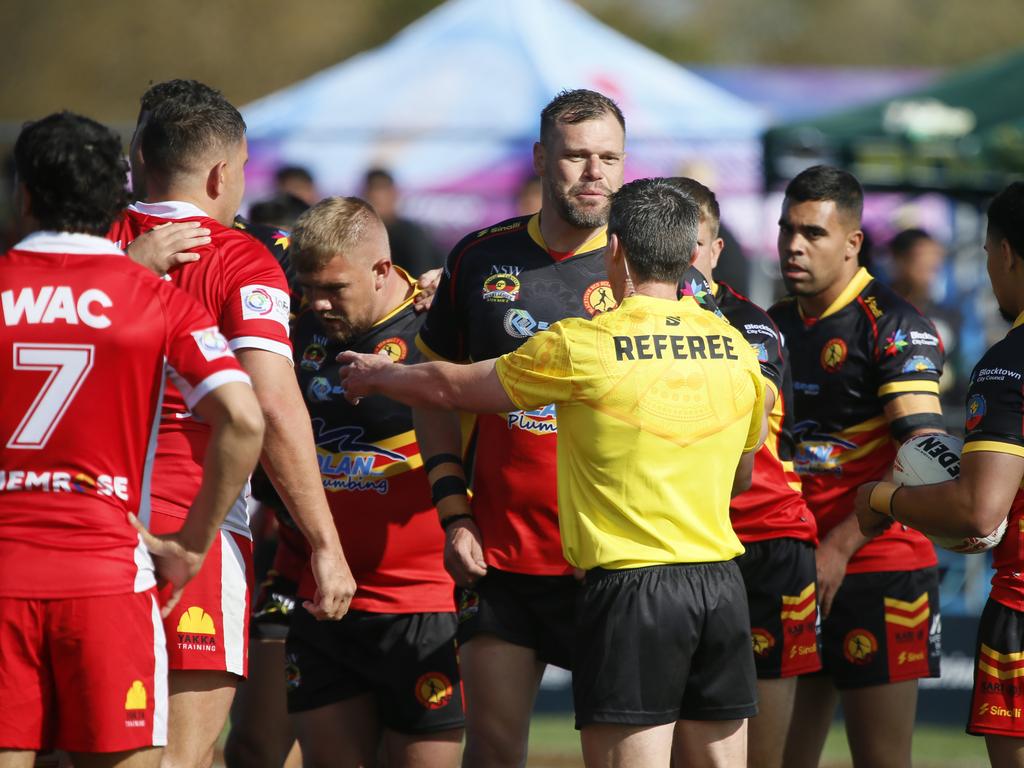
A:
(773, 506)
(995, 404)
(240, 283)
(499, 287)
(869, 347)
(83, 348)
(372, 471)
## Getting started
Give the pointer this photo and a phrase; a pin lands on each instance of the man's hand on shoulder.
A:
(427, 284)
(168, 246)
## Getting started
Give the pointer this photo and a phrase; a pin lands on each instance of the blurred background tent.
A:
(962, 136)
(450, 105)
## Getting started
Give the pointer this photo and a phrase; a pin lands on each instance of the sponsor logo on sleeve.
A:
(895, 343)
(919, 364)
(761, 351)
(922, 339)
(761, 328)
(211, 343)
(976, 410)
(261, 302)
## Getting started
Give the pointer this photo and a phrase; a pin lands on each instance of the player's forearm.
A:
(289, 458)
(744, 474)
(233, 451)
(845, 539)
(439, 433)
(441, 386)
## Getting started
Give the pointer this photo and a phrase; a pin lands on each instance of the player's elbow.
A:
(982, 518)
(245, 420)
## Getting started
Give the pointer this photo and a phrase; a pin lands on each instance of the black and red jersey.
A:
(868, 347)
(773, 506)
(995, 422)
(500, 286)
(372, 472)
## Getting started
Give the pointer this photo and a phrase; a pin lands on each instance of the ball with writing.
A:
(935, 458)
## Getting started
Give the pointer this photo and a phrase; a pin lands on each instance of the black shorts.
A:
(407, 661)
(997, 704)
(533, 611)
(663, 643)
(883, 628)
(273, 607)
(779, 575)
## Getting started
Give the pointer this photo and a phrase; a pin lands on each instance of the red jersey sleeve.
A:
(256, 306)
(199, 358)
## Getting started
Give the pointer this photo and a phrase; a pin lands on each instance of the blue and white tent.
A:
(451, 105)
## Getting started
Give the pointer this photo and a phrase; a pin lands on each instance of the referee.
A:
(660, 412)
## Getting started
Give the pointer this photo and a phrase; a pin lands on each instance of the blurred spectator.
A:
(528, 196)
(916, 273)
(298, 182)
(280, 211)
(411, 246)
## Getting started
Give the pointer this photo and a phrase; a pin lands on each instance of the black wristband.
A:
(446, 486)
(446, 522)
(442, 458)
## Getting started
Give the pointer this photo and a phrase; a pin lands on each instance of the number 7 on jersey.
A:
(68, 365)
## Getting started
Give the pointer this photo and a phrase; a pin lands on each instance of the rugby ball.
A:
(935, 458)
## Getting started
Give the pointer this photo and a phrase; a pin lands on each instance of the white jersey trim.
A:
(237, 518)
(258, 342)
(234, 584)
(193, 395)
(79, 243)
(170, 209)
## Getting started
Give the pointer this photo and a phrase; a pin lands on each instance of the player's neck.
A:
(561, 236)
(184, 194)
(818, 304)
(668, 291)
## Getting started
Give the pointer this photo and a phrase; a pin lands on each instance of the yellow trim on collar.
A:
(599, 240)
(850, 293)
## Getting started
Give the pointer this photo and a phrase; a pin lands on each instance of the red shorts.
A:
(87, 674)
(209, 627)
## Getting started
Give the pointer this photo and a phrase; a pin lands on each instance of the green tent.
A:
(962, 136)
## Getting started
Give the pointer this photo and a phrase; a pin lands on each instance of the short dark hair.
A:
(278, 211)
(703, 197)
(1006, 216)
(576, 107)
(286, 172)
(902, 242)
(375, 175)
(657, 225)
(826, 182)
(190, 92)
(74, 171)
(178, 133)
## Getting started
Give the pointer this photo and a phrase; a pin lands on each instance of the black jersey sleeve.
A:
(442, 335)
(995, 400)
(764, 338)
(908, 351)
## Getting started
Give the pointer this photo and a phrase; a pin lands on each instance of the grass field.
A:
(555, 744)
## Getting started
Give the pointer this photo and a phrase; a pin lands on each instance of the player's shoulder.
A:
(783, 309)
(1007, 353)
(887, 307)
(744, 314)
(492, 239)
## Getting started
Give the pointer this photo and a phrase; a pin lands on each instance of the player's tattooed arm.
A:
(168, 246)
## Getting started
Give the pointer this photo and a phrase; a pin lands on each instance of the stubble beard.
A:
(581, 217)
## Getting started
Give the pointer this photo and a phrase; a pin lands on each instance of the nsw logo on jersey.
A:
(211, 343)
(501, 287)
(519, 324)
(314, 355)
(261, 302)
(541, 421)
(350, 463)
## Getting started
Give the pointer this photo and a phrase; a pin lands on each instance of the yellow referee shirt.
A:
(656, 401)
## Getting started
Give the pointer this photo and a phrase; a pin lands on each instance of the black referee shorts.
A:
(663, 643)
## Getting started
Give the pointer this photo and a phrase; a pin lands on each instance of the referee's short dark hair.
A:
(74, 171)
(178, 135)
(1006, 216)
(826, 182)
(656, 224)
(576, 107)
